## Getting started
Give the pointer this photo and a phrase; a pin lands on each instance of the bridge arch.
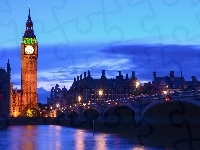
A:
(186, 101)
(151, 105)
(172, 111)
(94, 108)
(90, 113)
(122, 113)
(72, 112)
(125, 105)
(72, 115)
(61, 115)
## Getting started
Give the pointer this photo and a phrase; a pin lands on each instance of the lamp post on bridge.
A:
(135, 88)
(100, 103)
(79, 108)
(79, 100)
(57, 109)
(100, 94)
(166, 95)
(138, 114)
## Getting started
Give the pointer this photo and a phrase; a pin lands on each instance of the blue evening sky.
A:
(80, 35)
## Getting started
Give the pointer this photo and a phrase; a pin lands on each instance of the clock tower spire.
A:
(29, 55)
(29, 32)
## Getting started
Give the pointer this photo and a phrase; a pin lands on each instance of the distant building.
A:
(5, 91)
(194, 84)
(160, 84)
(87, 89)
(57, 97)
(147, 88)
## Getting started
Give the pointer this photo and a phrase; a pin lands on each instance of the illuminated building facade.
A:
(87, 88)
(172, 83)
(27, 98)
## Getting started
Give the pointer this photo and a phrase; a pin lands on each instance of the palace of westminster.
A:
(14, 103)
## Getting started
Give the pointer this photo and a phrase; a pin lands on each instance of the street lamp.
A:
(167, 97)
(137, 84)
(79, 100)
(100, 93)
(165, 92)
(57, 105)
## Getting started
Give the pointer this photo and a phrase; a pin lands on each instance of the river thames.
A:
(54, 137)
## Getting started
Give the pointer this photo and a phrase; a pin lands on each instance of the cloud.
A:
(59, 65)
(161, 58)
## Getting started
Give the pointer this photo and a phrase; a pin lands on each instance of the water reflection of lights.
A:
(100, 141)
(30, 136)
(139, 148)
(58, 128)
(79, 140)
(57, 138)
(57, 145)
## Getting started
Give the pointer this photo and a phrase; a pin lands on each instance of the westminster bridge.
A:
(138, 108)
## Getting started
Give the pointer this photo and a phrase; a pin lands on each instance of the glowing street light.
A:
(100, 92)
(57, 105)
(165, 92)
(79, 98)
(167, 98)
(137, 84)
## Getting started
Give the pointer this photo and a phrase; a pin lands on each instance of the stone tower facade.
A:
(27, 98)
(29, 55)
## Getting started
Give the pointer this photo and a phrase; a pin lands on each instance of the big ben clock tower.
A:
(29, 55)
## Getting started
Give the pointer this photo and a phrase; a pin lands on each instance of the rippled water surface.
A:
(54, 137)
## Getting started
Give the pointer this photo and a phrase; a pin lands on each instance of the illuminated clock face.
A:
(29, 49)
